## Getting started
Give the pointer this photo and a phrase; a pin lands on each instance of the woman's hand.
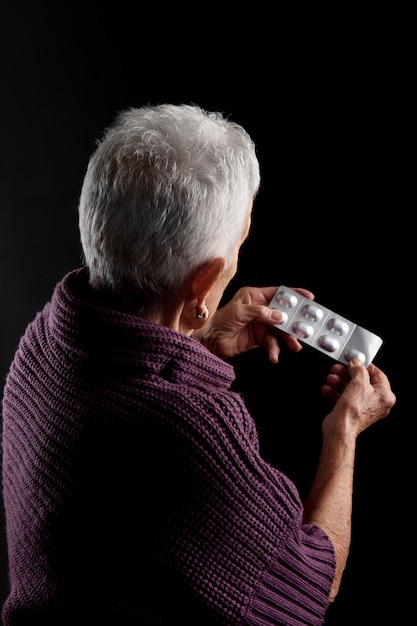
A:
(363, 394)
(247, 322)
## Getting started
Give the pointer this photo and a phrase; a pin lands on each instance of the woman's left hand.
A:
(247, 322)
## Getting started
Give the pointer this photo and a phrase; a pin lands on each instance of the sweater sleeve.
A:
(237, 536)
(294, 587)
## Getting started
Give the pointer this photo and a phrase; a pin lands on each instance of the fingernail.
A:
(277, 316)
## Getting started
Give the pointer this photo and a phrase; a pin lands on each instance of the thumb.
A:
(356, 367)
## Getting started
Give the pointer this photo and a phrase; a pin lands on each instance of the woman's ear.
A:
(205, 277)
(197, 289)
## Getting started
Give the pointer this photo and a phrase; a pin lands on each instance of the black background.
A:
(327, 99)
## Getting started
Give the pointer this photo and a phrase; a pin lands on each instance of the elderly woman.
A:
(134, 488)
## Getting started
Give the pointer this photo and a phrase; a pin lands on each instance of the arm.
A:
(361, 397)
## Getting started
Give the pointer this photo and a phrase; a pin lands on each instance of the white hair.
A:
(167, 188)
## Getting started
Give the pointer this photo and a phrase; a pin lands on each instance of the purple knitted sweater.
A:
(133, 486)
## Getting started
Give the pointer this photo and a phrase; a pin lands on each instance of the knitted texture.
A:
(133, 485)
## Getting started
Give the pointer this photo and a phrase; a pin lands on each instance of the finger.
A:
(255, 295)
(377, 376)
(304, 292)
(379, 380)
(357, 370)
(259, 313)
(293, 343)
(330, 393)
(336, 382)
(272, 346)
(273, 316)
(340, 370)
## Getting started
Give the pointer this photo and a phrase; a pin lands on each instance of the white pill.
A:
(330, 344)
(337, 326)
(351, 353)
(312, 312)
(286, 299)
(302, 329)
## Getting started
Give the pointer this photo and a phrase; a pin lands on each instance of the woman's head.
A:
(167, 189)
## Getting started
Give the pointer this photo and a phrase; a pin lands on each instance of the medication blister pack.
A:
(321, 328)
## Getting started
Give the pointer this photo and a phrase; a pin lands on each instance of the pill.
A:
(337, 326)
(312, 312)
(351, 353)
(301, 329)
(330, 344)
(286, 299)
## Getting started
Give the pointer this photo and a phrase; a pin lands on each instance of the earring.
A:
(204, 315)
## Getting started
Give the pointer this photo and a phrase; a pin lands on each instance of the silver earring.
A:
(204, 315)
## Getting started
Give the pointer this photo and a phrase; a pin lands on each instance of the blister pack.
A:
(321, 328)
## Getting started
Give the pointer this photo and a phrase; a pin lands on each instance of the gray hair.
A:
(167, 188)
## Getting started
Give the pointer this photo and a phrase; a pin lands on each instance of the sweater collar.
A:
(92, 333)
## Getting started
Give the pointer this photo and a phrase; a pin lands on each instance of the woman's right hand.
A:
(363, 394)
